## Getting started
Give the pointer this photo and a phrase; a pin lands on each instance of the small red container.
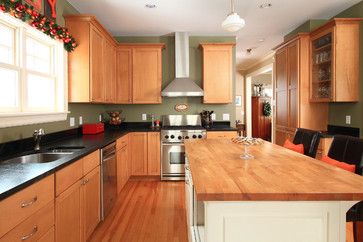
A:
(93, 128)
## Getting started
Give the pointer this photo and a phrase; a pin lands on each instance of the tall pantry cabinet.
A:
(291, 90)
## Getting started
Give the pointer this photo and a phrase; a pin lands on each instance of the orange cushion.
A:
(291, 146)
(343, 165)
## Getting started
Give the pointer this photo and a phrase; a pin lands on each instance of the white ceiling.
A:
(204, 17)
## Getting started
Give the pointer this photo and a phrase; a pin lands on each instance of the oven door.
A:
(173, 161)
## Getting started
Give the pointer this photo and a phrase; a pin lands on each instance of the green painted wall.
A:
(308, 26)
(87, 111)
(134, 112)
(338, 111)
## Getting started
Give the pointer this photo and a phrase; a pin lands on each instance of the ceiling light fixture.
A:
(233, 22)
(261, 40)
(149, 5)
(265, 5)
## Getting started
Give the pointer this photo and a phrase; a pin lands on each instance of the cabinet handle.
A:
(28, 203)
(34, 231)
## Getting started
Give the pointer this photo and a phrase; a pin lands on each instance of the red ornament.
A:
(2, 8)
(52, 5)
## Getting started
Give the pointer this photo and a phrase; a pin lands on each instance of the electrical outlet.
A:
(214, 116)
(348, 119)
(72, 121)
(226, 117)
(144, 117)
(100, 117)
(80, 120)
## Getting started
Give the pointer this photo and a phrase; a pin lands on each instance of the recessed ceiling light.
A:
(265, 5)
(261, 40)
(150, 5)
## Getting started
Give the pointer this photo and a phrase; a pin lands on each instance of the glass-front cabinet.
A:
(322, 67)
(334, 69)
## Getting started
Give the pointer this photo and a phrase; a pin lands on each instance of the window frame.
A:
(23, 115)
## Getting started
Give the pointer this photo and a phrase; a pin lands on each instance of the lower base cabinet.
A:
(221, 134)
(77, 209)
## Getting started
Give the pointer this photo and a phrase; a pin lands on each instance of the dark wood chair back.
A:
(310, 139)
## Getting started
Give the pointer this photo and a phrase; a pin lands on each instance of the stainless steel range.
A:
(176, 129)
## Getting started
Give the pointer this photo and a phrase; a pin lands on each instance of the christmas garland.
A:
(48, 26)
(267, 109)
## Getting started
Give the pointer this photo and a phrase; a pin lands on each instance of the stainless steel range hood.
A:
(182, 85)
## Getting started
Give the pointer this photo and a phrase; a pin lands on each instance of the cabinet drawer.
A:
(221, 135)
(21, 205)
(122, 142)
(68, 176)
(34, 227)
(90, 162)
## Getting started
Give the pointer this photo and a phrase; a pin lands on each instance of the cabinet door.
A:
(124, 75)
(122, 168)
(147, 76)
(153, 153)
(96, 52)
(281, 88)
(138, 151)
(68, 214)
(90, 202)
(217, 73)
(109, 68)
(293, 84)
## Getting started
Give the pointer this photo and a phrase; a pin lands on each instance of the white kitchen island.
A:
(280, 196)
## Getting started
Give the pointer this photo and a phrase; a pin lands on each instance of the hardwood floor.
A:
(146, 211)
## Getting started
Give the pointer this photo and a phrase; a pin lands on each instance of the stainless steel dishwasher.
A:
(108, 179)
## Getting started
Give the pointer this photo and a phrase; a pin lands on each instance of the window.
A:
(32, 75)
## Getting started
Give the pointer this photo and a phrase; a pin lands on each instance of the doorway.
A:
(259, 103)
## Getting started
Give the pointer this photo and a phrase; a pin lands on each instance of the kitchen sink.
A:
(38, 158)
(65, 149)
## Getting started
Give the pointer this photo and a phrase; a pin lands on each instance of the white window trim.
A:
(13, 118)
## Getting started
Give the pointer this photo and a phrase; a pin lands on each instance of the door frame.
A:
(248, 96)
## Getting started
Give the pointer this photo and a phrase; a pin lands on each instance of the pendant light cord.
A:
(232, 6)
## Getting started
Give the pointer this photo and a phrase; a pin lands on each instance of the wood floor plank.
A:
(146, 211)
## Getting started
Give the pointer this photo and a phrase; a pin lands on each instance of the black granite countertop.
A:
(15, 177)
(221, 126)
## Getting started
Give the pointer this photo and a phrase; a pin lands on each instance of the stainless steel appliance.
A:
(176, 129)
(108, 179)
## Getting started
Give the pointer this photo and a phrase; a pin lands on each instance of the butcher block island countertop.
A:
(275, 174)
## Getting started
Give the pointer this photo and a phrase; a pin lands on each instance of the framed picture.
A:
(239, 101)
(37, 4)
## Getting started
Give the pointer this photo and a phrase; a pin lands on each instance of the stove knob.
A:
(179, 137)
(194, 136)
(172, 137)
(200, 136)
(186, 137)
(166, 136)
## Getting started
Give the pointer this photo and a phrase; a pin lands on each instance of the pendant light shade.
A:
(233, 22)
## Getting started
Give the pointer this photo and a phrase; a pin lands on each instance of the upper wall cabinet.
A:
(92, 66)
(218, 72)
(139, 73)
(335, 62)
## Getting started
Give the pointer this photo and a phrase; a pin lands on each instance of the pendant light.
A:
(233, 22)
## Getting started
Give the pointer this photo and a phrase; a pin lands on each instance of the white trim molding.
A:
(12, 120)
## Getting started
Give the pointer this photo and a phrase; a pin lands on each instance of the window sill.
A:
(18, 119)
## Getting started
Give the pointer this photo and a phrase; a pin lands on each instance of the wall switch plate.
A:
(80, 120)
(144, 117)
(100, 117)
(226, 117)
(348, 119)
(214, 116)
(72, 121)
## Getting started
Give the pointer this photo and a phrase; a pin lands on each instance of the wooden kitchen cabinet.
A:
(90, 202)
(77, 206)
(92, 65)
(123, 170)
(217, 72)
(138, 149)
(124, 75)
(153, 153)
(139, 73)
(261, 124)
(221, 134)
(293, 108)
(335, 61)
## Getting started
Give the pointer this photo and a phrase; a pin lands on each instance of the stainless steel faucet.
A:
(38, 134)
